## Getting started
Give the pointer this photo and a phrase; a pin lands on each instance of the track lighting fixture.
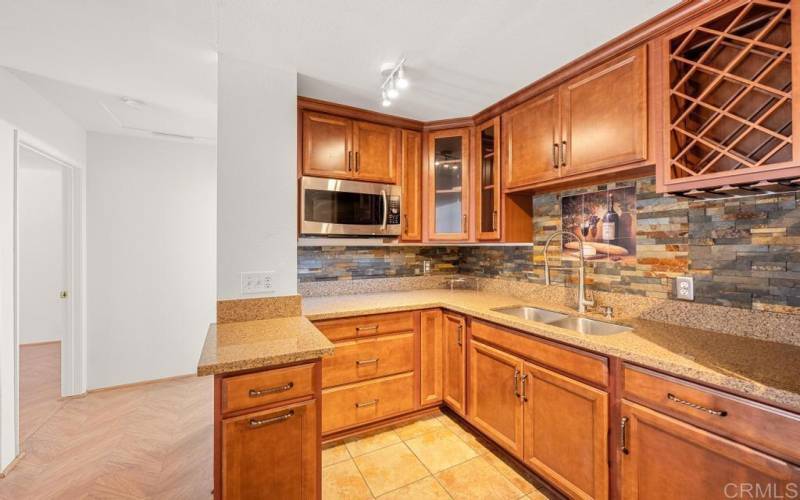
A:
(395, 79)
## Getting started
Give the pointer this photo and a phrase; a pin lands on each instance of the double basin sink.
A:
(575, 323)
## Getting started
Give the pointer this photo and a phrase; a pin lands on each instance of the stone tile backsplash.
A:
(742, 252)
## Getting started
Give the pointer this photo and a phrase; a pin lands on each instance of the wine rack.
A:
(729, 109)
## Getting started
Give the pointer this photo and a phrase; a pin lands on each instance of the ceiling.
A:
(461, 56)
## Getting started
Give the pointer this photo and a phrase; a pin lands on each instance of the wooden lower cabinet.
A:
(271, 454)
(364, 359)
(455, 341)
(566, 432)
(363, 402)
(431, 359)
(495, 400)
(667, 459)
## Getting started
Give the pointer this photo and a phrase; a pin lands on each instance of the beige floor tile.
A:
(390, 468)
(542, 494)
(475, 480)
(440, 449)
(371, 442)
(333, 454)
(424, 489)
(478, 444)
(417, 428)
(343, 481)
(524, 480)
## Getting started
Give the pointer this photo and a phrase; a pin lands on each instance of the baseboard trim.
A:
(43, 342)
(140, 383)
(11, 465)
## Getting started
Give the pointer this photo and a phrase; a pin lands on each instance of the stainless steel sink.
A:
(532, 313)
(590, 326)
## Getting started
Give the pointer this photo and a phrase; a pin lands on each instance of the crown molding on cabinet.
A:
(310, 104)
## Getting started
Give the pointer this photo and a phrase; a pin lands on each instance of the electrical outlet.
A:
(684, 288)
(257, 282)
(426, 267)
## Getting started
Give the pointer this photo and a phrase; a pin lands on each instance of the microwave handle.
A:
(385, 210)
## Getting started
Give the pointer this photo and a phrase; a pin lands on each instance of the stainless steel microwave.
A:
(334, 207)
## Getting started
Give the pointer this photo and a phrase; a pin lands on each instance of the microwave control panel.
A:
(394, 210)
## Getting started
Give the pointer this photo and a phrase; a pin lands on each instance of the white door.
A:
(42, 248)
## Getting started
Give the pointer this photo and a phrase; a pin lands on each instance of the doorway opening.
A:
(44, 207)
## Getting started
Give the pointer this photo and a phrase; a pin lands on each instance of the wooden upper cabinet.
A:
(375, 151)
(455, 342)
(728, 97)
(566, 426)
(495, 397)
(411, 184)
(340, 148)
(665, 458)
(327, 145)
(487, 180)
(271, 454)
(531, 137)
(431, 370)
(604, 115)
(448, 184)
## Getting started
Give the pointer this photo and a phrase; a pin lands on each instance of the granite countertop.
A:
(766, 370)
(244, 345)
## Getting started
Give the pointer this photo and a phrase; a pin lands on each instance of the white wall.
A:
(151, 210)
(41, 229)
(42, 123)
(257, 186)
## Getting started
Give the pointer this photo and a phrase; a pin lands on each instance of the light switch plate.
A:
(257, 282)
(684, 288)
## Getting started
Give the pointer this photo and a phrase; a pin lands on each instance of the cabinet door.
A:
(604, 115)
(566, 425)
(668, 459)
(531, 139)
(455, 339)
(411, 183)
(431, 357)
(375, 150)
(495, 400)
(271, 454)
(487, 180)
(327, 145)
(448, 184)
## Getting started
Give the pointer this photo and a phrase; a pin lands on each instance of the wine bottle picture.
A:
(610, 225)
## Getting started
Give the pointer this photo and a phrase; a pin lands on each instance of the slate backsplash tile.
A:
(742, 252)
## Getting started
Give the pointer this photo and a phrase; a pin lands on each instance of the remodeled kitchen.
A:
(589, 288)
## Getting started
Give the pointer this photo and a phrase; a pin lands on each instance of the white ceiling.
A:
(461, 55)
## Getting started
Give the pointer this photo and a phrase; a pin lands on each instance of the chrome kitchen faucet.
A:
(582, 300)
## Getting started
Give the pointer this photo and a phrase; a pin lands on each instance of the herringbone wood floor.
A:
(147, 441)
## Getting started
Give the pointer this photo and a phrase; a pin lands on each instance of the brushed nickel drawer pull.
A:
(675, 399)
(524, 391)
(368, 327)
(460, 339)
(368, 403)
(555, 155)
(271, 420)
(623, 438)
(257, 393)
(367, 361)
(516, 382)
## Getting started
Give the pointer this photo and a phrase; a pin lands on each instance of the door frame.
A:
(73, 345)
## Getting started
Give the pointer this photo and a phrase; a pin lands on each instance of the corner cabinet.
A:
(487, 180)
(728, 98)
(455, 361)
(596, 122)
(336, 147)
(448, 183)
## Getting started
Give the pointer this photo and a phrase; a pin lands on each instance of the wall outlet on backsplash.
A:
(684, 288)
(426, 267)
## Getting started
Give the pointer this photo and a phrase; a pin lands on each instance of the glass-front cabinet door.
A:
(487, 180)
(448, 184)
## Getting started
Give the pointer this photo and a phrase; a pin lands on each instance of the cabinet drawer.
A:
(584, 365)
(269, 386)
(361, 326)
(756, 424)
(364, 359)
(363, 402)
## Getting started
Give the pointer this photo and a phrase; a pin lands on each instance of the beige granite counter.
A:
(262, 343)
(766, 370)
